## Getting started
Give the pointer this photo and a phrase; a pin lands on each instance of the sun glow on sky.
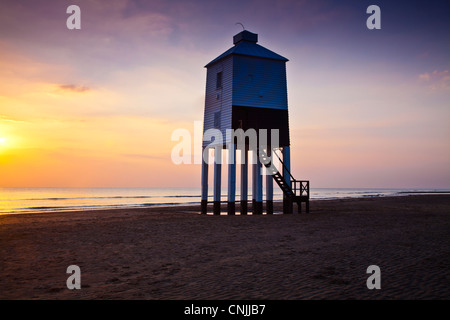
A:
(97, 106)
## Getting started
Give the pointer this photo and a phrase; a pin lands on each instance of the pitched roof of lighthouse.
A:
(245, 43)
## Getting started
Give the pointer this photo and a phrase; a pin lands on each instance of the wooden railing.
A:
(300, 188)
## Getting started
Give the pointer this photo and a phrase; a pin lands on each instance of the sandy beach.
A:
(175, 253)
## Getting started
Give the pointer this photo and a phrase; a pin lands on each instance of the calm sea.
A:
(23, 200)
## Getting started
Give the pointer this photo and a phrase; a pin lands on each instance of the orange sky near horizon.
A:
(96, 107)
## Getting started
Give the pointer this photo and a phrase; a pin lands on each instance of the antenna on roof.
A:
(243, 28)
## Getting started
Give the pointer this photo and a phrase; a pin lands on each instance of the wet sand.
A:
(175, 253)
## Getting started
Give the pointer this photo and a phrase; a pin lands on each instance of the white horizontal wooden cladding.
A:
(218, 99)
(259, 82)
(246, 81)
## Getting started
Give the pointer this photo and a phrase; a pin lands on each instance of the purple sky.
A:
(368, 108)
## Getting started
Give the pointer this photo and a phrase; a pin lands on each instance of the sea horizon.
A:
(15, 200)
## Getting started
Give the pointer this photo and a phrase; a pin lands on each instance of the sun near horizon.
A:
(96, 107)
(3, 141)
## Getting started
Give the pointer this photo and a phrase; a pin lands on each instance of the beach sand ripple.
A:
(175, 253)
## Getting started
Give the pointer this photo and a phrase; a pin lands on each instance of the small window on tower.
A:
(219, 80)
(217, 120)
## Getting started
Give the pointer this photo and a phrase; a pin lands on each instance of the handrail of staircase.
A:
(284, 166)
(294, 181)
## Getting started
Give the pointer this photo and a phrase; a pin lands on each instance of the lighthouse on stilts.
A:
(246, 111)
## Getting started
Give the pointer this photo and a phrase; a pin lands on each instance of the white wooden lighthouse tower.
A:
(246, 89)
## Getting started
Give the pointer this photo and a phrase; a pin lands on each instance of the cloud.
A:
(73, 88)
(425, 77)
(7, 119)
(144, 156)
(436, 80)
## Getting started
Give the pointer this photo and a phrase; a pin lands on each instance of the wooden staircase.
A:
(297, 191)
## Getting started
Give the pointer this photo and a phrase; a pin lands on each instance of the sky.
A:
(96, 107)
